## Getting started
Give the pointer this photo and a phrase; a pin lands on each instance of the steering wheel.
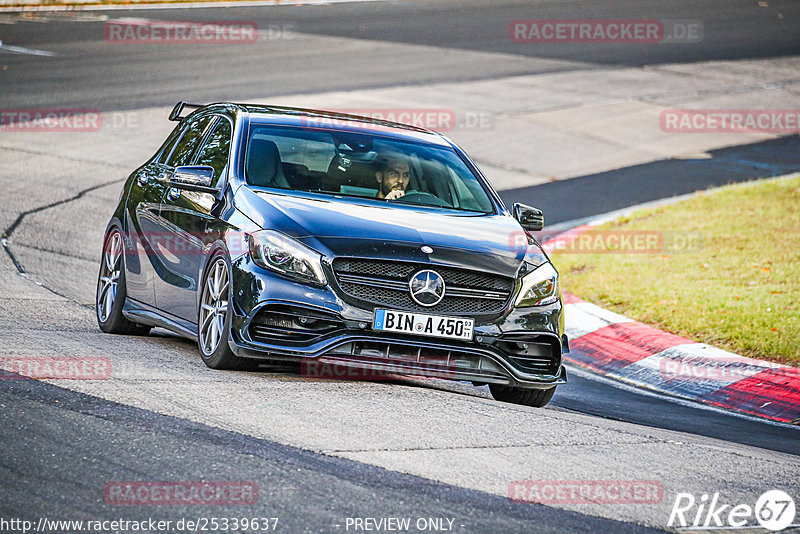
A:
(422, 197)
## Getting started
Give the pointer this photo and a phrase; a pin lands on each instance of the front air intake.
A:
(292, 324)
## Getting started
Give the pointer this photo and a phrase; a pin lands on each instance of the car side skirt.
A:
(141, 313)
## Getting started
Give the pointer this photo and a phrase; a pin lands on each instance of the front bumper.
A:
(520, 347)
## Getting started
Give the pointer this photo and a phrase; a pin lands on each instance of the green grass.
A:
(737, 288)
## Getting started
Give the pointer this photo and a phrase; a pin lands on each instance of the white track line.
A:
(178, 5)
(21, 50)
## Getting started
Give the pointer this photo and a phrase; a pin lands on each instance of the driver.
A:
(393, 176)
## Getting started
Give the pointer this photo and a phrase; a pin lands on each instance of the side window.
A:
(192, 135)
(215, 152)
(166, 148)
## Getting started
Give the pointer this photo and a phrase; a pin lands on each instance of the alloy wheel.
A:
(109, 276)
(214, 307)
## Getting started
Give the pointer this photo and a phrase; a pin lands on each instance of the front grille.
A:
(385, 283)
(284, 324)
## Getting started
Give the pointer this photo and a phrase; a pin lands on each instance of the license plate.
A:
(423, 325)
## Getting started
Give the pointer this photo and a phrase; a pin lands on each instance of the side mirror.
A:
(529, 218)
(192, 175)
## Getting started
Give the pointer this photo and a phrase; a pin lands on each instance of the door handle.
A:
(173, 193)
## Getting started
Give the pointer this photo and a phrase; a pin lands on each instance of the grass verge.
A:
(721, 268)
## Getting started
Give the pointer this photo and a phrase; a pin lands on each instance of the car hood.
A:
(363, 228)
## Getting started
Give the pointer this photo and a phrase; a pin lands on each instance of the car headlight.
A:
(539, 287)
(279, 252)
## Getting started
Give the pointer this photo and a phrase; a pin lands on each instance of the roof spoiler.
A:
(176, 111)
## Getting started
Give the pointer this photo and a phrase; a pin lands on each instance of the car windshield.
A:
(361, 165)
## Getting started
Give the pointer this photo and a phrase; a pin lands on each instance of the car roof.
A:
(331, 120)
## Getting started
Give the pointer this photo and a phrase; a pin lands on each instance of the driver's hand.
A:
(395, 194)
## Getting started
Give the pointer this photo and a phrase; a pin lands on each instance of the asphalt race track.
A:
(425, 35)
(324, 451)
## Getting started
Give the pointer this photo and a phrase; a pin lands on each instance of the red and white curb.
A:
(618, 347)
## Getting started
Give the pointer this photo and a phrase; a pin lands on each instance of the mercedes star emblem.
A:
(427, 288)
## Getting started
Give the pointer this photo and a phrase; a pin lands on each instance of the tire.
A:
(111, 292)
(528, 397)
(214, 319)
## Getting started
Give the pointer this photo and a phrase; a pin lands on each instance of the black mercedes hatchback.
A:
(337, 242)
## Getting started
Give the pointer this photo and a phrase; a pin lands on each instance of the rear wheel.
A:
(214, 320)
(528, 397)
(111, 290)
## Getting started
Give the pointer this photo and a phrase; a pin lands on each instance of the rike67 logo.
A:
(774, 510)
